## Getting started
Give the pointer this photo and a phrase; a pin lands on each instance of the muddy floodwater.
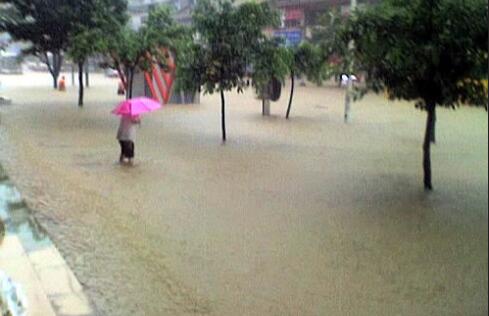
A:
(307, 216)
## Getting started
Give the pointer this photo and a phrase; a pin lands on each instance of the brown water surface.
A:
(308, 216)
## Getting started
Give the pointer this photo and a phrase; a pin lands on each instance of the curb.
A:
(30, 258)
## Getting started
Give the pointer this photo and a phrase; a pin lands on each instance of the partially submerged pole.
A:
(349, 87)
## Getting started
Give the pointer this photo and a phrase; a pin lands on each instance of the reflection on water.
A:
(294, 217)
(18, 218)
(2, 231)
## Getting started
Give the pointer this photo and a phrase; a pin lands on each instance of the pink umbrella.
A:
(136, 106)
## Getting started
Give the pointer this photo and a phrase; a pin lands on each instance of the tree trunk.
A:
(265, 107)
(122, 76)
(131, 80)
(291, 94)
(52, 70)
(430, 108)
(80, 83)
(87, 83)
(52, 67)
(126, 77)
(433, 124)
(55, 81)
(223, 117)
(72, 74)
(57, 61)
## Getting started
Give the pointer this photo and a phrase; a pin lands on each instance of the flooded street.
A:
(307, 216)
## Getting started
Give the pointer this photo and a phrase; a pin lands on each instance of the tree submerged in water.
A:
(433, 52)
(271, 65)
(101, 17)
(228, 36)
(128, 50)
(45, 27)
(310, 61)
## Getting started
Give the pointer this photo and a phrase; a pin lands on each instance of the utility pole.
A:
(349, 87)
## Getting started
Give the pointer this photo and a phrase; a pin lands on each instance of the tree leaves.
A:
(423, 50)
(46, 27)
(229, 37)
(270, 61)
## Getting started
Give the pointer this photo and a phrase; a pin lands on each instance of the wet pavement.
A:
(30, 259)
(309, 216)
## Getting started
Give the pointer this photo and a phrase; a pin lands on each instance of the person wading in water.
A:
(125, 135)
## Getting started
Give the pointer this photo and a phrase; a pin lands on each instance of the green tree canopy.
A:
(129, 49)
(308, 60)
(82, 45)
(87, 34)
(46, 26)
(190, 68)
(326, 34)
(433, 52)
(227, 38)
(270, 60)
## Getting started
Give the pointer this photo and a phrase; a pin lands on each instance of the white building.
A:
(139, 10)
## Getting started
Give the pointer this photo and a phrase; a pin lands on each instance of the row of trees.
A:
(230, 39)
(433, 52)
(81, 29)
(76, 28)
(230, 42)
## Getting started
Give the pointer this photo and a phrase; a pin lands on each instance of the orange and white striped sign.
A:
(159, 81)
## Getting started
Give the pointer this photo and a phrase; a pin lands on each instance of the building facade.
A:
(299, 16)
(139, 10)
